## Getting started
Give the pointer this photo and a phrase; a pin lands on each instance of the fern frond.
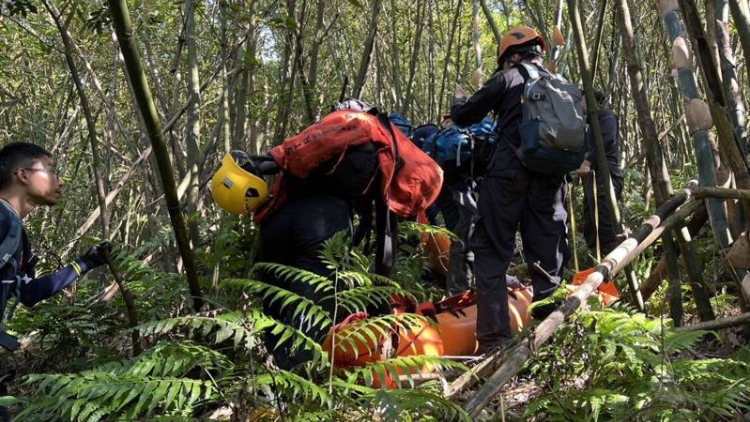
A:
(399, 405)
(292, 275)
(404, 367)
(91, 395)
(309, 310)
(294, 385)
(358, 300)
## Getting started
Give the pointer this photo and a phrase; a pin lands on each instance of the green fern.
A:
(130, 389)
(632, 371)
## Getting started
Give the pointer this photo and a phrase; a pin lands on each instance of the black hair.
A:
(528, 50)
(16, 155)
(599, 95)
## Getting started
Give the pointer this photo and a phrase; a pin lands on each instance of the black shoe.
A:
(540, 313)
(495, 348)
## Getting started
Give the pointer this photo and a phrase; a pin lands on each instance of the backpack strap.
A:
(10, 245)
(386, 222)
(10, 254)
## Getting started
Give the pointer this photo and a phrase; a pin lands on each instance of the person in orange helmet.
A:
(512, 197)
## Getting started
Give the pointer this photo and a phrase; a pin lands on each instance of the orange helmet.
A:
(518, 36)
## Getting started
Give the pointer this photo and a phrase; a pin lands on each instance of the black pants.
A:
(294, 236)
(459, 209)
(534, 204)
(607, 231)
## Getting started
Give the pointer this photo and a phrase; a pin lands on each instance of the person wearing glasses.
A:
(28, 179)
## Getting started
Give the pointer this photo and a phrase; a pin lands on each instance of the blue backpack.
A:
(463, 150)
(422, 133)
(401, 123)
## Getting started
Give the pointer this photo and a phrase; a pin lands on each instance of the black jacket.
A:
(610, 128)
(502, 95)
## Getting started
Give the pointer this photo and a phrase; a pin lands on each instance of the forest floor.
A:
(510, 404)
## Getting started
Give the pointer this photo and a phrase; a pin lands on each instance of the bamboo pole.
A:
(601, 153)
(147, 108)
(717, 324)
(723, 193)
(628, 250)
(728, 64)
(698, 116)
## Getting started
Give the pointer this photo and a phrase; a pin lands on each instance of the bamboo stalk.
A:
(147, 108)
(718, 324)
(615, 261)
(724, 193)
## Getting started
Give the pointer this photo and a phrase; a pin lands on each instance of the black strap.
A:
(386, 222)
(386, 238)
(364, 210)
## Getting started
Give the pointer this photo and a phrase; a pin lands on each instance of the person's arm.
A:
(466, 112)
(609, 127)
(34, 290)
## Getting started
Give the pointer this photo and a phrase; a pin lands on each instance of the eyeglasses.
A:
(55, 171)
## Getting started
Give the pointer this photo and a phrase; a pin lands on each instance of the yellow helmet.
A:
(235, 189)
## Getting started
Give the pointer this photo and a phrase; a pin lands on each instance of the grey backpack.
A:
(554, 124)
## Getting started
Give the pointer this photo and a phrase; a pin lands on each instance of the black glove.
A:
(95, 256)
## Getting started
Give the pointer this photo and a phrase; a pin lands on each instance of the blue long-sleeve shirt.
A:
(22, 281)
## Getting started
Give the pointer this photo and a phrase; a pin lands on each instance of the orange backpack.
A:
(401, 180)
(409, 179)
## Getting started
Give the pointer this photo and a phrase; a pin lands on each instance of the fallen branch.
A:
(722, 193)
(717, 324)
(659, 274)
(648, 233)
(469, 378)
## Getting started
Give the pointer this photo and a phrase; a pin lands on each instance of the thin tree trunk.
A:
(414, 58)
(288, 73)
(448, 58)
(741, 16)
(96, 165)
(142, 94)
(478, 76)
(491, 21)
(364, 64)
(315, 49)
(598, 41)
(654, 155)
(193, 123)
(298, 45)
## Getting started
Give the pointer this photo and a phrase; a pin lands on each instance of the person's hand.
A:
(584, 170)
(96, 255)
(459, 92)
(459, 96)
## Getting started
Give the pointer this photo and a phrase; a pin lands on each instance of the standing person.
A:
(511, 197)
(606, 235)
(28, 179)
(458, 206)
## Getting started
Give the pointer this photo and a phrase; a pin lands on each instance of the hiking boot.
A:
(495, 348)
(540, 313)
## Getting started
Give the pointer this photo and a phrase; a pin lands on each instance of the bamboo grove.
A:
(140, 100)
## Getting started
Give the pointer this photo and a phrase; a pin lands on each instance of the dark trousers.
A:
(294, 236)
(607, 229)
(533, 204)
(459, 210)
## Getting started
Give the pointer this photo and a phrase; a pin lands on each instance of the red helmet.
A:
(520, 35)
